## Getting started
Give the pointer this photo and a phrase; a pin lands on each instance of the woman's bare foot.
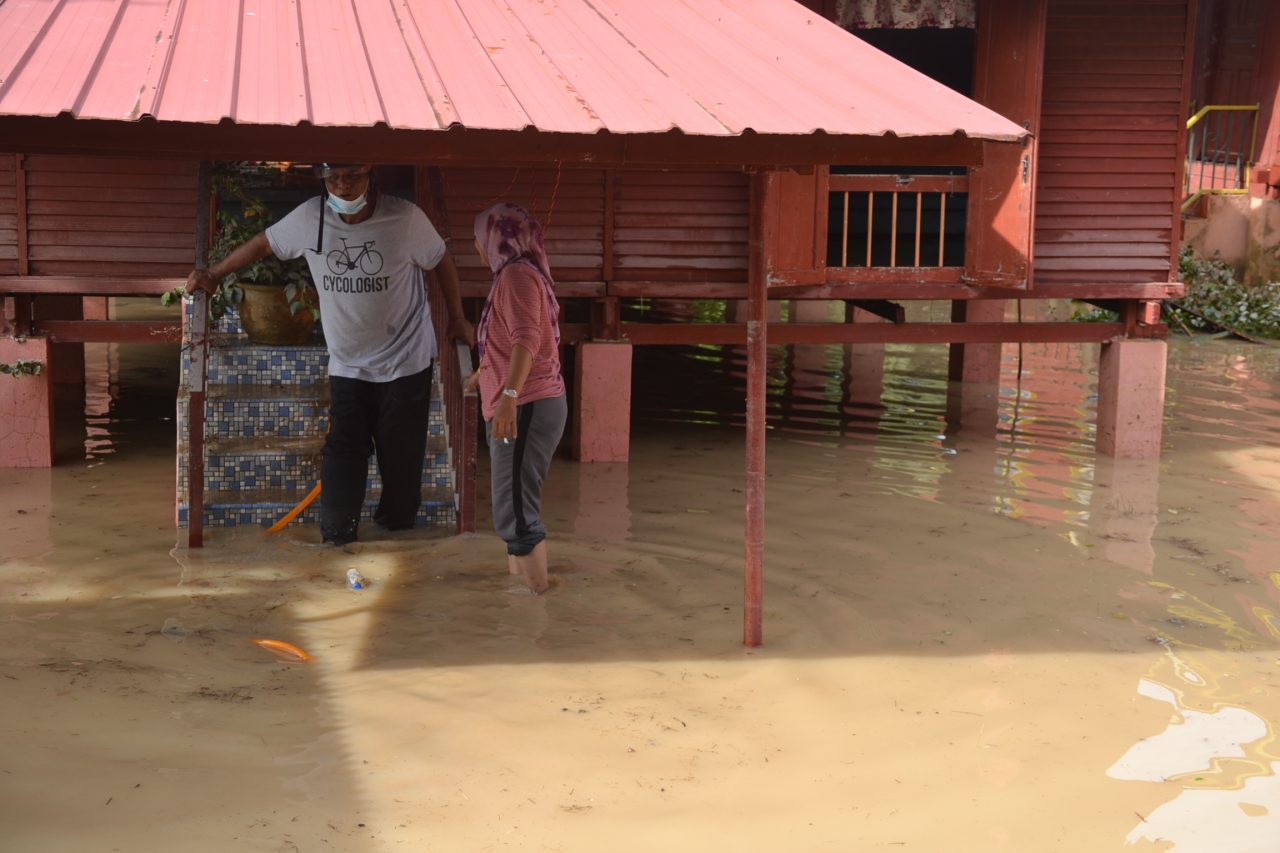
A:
(512, 566)
(534, 568)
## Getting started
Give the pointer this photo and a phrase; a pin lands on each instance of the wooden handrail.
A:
(454, 366)
(39, 285)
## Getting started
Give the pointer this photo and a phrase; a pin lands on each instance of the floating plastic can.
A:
(355, 580)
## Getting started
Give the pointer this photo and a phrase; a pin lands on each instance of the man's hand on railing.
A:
(201, 280)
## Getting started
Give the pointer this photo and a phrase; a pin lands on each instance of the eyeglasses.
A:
(338, 174)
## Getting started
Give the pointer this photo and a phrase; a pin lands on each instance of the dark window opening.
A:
(928, 229)
(944, 55)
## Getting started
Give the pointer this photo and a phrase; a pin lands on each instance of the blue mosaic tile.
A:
(302, 413)
(431, 514)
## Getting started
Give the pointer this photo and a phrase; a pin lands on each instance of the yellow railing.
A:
(1221, 140)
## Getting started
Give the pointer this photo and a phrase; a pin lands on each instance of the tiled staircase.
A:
(266, 416)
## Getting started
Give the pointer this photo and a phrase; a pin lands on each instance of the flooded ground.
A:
(979, 637)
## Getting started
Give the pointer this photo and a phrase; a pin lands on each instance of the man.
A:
(367, 253)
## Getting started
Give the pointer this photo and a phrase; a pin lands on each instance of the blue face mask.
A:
(347, 208)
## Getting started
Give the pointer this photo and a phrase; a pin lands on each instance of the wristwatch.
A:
(511, 392)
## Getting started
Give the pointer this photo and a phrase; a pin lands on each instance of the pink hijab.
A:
(510, 235)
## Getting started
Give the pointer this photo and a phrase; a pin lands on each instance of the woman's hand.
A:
(473, 382)
(503, 424)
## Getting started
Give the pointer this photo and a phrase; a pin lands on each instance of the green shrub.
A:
(23, 367)
(235, 184)
(1214, 300)
(1086, 313)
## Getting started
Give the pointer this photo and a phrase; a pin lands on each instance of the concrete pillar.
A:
(604, 507)
(1124, 511)
(736, 311)
(602, 408)
(973, 408)
(864, 367)
(816, 311)
(26, 406)
(1262, 264)
(975, 362)
(808, 360)
(96, 307)
(26, 509)
(68, 368)
(1131, 398)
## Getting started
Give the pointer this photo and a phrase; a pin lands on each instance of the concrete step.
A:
(266, 417)
(433, 513)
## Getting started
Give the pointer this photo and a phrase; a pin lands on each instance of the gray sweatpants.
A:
(519, 469)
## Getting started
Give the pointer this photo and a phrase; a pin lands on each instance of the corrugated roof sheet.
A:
(704, 67)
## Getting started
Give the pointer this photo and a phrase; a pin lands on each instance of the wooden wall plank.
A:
(569, 202)
(110, 216)
(8, 216)
(1108, 182)
(709, 208)
(681, 225)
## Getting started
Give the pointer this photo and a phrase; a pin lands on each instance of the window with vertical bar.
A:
(894, 218)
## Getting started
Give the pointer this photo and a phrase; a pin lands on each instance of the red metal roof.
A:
(704, 67)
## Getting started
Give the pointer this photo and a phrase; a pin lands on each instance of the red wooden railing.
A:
(461, 408)
(903, 241)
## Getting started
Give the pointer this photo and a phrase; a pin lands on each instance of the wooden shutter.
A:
(106, 216)
(625, 225)
(682, 226)
(568, 202)
(8, 215)
(1109, 162)
(795, 229)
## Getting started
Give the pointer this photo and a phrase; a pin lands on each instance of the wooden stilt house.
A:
(739, 150)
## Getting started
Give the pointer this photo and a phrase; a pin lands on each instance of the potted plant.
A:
(276, 299)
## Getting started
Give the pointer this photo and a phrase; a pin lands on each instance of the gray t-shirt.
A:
(373, 304)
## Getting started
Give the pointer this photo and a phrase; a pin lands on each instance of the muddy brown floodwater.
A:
(977, 639)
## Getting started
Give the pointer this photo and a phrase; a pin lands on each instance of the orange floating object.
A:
(293, 513)
(284, 650)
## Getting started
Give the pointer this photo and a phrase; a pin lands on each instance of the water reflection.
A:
(1035, 429)
(1223, 757)
(101, 378)
(1196, 529)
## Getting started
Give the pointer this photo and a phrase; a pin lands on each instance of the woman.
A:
(521, 390)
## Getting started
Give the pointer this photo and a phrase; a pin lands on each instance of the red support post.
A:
(197, 378)
(462, 411)
(757, 353)
(195, 419)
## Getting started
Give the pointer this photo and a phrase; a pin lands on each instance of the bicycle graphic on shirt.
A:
(366, 257)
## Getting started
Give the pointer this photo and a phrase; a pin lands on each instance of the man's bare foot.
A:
(534, 568)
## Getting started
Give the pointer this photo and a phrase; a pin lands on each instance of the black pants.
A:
(389, 418)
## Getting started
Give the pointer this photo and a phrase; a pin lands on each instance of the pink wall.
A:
(26, 407)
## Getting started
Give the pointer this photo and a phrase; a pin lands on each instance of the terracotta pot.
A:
(265, 315)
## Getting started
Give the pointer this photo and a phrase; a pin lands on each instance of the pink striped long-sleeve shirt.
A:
(519, 315)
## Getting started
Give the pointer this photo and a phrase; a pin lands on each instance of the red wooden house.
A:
(742, 150)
